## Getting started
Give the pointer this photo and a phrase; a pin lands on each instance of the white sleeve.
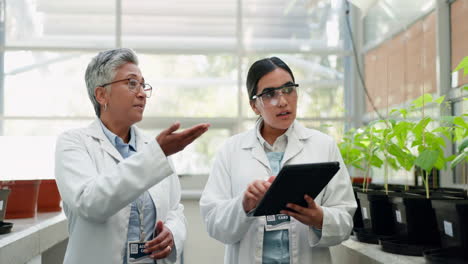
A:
(223, 213)
(338, 204)
(95, 196)
(176, 221)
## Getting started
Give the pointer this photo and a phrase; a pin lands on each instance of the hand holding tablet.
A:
(292, 184)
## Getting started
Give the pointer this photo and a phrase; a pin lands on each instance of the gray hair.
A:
(103, 68)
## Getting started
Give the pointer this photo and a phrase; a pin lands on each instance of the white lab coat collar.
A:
(95, 130)
(280, 142)
(298, 131)
(297, 135)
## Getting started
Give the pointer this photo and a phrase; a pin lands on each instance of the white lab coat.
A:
(242, 160)
(97, 187)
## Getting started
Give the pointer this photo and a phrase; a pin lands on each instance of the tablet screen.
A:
(292, 183)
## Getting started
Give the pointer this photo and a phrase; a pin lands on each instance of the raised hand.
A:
(172, 142)
(312, 215)
(255, 192)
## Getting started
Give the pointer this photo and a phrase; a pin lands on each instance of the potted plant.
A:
(375, 207)
(358, 152)
(351, 150)
(416, 225)
(451, 215)
(352, 157)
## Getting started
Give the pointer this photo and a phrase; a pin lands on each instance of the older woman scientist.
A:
(237, 181)
(119, 189)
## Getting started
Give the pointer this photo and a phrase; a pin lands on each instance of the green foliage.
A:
(427, 159)
(463, 65)
(351, 149)
(404, 143)
(462, 154)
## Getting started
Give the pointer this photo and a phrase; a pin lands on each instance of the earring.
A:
(105, 107)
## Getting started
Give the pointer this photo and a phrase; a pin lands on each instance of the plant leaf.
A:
(418, 129)
(462, 65)
(463, 145)
(422, 100)
(460, 121)
(459, 158)
(440, 99)
(427, 159)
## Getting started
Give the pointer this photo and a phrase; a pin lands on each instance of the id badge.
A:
(135, 253)
(277, 222)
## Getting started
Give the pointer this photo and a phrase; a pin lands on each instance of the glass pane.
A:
(197, 157)
(28, 127)
(54, 23)
(461, 170)
(389, 16)
(180, 26)
(37, 152)
(291, 26)
(333, 129)
(46, 84)
(191, 85)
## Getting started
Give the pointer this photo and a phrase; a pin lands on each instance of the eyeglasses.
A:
(271, 95)
(134, 86)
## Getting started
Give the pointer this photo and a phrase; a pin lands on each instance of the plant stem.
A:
(426, 183)
(386, 176)
(365, 184)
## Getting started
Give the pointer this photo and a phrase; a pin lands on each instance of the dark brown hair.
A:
(260, 68)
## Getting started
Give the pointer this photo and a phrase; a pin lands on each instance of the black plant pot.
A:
(366, 236)
(3, 202)
(357, 218)
(415, 219)
(454, 192)
(396, 187)
(451, 255)
(439, 192)
(4, 226)
(415, 225)
(377, 212)
(403, 246)
(452, 222)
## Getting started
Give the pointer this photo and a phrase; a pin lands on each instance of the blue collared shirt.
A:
(143, 203)
(276, 242)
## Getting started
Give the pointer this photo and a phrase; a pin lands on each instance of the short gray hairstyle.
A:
(103, 68)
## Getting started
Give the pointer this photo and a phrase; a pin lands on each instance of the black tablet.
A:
(292, 183)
